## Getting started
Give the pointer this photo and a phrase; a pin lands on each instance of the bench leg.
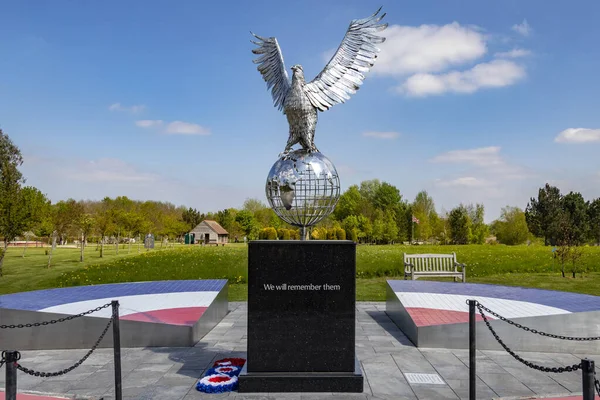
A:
(413, 277)
(464, 277)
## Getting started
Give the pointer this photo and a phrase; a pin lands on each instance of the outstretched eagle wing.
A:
(272, 68)
(343, 75)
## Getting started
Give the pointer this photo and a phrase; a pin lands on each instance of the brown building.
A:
(210, 232)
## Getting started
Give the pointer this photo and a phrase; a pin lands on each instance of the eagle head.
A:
(298, 71)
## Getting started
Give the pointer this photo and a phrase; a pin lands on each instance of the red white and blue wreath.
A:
(223, 377)
(217, 383)
(237, 362)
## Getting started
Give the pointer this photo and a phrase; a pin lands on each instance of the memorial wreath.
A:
(223, 377)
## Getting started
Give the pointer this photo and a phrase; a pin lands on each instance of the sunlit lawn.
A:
(531, 266)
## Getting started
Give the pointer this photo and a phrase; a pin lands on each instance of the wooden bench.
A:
(419, 265)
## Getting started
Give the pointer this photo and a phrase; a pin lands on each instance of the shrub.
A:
(340, 234)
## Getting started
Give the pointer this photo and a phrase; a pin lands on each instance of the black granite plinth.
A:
(348, 382)
(301, 317)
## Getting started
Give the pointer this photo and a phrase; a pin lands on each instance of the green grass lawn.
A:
(530, 266)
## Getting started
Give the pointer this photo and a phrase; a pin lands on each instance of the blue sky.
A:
(472, 101)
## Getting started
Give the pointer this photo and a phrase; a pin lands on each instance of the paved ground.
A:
(386, 355)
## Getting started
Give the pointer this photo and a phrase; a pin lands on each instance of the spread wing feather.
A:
(272, 68)
(343, 74)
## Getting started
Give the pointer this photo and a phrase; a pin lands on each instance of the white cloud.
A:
(483, 156)
(466, 181)
(496, 73)
(435, 59)
(149, 123)
(523, 28)
(175, 127)
(381, 135)
(185, 128)
(514, 53)
(578, 135)
(103, 170)
(428, 48)
(483, 176)
(132, 109)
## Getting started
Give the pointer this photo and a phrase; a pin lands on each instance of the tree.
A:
(348, 204)
(543, 214)
(423, 208)
(594, 220)
(248, 224)
(192, 217)
(390, 229)
(85, 223)
(378, 227)
(460, 225)
(11, 219)
(479, 230)
(575, 217)
(511, 228)
(104, 220)
(34, 205)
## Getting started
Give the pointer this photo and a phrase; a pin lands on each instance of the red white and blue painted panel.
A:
(438, 303)
(167, 302)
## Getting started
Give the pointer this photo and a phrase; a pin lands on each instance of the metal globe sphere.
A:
(303, 187)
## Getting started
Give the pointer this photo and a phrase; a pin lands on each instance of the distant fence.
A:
(23, 243)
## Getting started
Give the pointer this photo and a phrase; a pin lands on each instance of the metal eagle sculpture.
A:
(341, 77)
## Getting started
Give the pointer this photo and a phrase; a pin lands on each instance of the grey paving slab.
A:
(384, 351)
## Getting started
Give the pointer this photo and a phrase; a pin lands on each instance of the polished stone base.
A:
(348, 382)
(301, 317)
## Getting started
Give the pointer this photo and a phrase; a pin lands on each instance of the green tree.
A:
(511, 228)
(378, 227)
(575, 214)
(349, 204)
(594, 220)
(479, 229)
(390, 229)
(248, 223)
(85, 223)
(33, 207)
(423, 208)
(12, 220)
(544, 213)
(105, 222)
(192, 217)
(460, 225)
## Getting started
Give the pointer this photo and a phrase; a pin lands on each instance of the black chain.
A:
(569, 368)
(480, 306)
(70, 317)
(597, 384)
(72, 367)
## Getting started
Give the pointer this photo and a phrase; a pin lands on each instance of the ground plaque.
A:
(301, 317)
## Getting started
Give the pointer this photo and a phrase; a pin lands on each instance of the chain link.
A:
(569, 368)
(70, 317)
(525, 328)
(72, 367)
(597, 384)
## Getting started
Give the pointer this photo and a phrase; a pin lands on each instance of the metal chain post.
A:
(472, 351)
(11, 358)
(117, 349)
(587, 372)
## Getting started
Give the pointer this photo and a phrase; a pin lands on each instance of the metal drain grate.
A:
(427, 379)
